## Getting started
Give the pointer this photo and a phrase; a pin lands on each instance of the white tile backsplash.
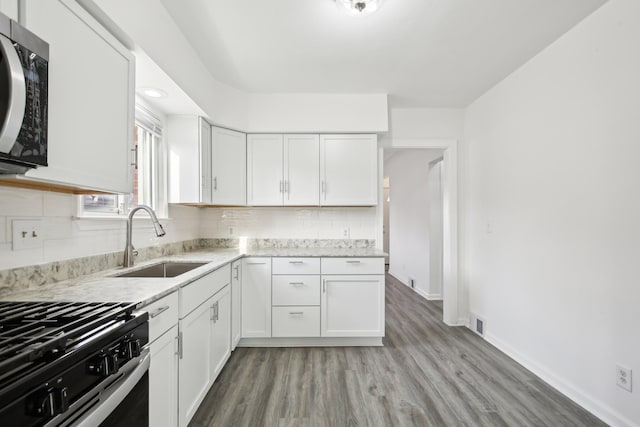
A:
(289, 222)
(20, 202)
(67, 237)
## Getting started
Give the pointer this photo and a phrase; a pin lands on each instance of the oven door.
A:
(123, 401)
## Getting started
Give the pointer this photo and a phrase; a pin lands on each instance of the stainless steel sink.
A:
(164, 269)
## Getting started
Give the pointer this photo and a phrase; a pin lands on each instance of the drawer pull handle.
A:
(296, 262)
(297, 283)
(353, 262)
(296, 313)
(159, 311)
(256, 263)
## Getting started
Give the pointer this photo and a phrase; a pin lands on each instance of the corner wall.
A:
(553, 211)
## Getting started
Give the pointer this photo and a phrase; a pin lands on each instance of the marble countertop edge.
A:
(106, 286)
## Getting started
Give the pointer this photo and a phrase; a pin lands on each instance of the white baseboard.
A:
(600, 410)
(312, 342)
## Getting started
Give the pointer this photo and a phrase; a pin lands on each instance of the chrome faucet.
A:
(129, 251)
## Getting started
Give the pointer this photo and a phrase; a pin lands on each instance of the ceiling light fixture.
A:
(360, 7)
(153, 92)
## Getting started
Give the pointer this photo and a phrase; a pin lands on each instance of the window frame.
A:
(153, 124)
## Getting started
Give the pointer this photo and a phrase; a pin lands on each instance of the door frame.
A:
(451, 313)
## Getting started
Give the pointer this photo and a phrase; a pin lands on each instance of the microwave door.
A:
(12, 95)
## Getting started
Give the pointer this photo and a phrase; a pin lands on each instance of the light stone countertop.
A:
(102, 286)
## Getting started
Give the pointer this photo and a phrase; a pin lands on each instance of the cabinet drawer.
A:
(197, 292)
(296, 265)
(296, 290)
(296, 321)
(352, 265)
(163, 314)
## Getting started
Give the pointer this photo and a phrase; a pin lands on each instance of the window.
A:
(148, 174)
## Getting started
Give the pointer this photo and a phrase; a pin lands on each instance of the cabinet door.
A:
(236, 303)
(163, 380)
(229, 167)
(265, 185)
(256, 298)
(220, 331)
(302, 170)
(204, 142)
(352, 306)
(348, 170)
(91, 99)
(195, 362)
(9, 8)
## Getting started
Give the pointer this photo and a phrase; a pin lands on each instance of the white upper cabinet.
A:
(91, 99)
(265, 186)
(348, 170)
(228, 167)
(301, 170)
(189, 146)
(9, 8)
(283, 170)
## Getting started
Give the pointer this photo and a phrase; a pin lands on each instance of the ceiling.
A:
(423, 53)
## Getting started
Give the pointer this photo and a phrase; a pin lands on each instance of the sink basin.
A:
(164, 269)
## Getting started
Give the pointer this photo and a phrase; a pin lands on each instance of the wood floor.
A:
(427, 374)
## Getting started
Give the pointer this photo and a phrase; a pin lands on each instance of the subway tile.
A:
(56, 204)
(19, 202)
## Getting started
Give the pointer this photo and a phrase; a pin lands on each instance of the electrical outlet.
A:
(346, 232)
(230, 231)
(27, 234)
(623, 377)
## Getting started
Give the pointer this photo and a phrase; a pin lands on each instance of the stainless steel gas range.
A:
(73, 364)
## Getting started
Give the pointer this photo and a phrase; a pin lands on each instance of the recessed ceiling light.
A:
(152, 92)
(360, 7)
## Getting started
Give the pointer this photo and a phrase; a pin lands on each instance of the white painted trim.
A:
(604, 412)
(450, 290)
(400, 278)
(311, 342)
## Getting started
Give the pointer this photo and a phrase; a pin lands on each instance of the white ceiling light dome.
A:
(360, 7)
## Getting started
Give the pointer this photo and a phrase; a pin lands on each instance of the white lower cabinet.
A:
(195, 360)
(163, 380)
(352, 306)
(256, 298)
(296, 321)
(205, 346)
(236, 303)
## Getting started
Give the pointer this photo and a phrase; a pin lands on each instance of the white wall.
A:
(66, 237)
(554, 211)
(409, 213)
(434, 194)
(317, 113)
(290, 223)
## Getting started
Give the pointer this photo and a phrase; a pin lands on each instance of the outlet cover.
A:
(27, 234)
(624, 378)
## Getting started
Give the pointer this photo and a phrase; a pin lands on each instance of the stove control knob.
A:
(130, 349)
(51, 402)
(104, 365)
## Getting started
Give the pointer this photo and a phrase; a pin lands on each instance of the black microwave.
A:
(24, 74)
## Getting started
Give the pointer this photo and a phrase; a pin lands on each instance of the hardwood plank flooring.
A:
(427, 374)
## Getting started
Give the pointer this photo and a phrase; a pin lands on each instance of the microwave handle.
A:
(12, 122)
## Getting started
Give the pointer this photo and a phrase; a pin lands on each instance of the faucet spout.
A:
(128, 250)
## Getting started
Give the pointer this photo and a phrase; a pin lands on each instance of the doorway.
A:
(454, 311)
(412, 219)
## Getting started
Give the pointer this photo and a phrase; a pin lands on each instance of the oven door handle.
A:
(11, 124)
(111, 402)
